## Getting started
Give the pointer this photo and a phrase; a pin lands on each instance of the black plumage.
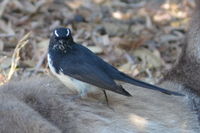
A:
(76, 61)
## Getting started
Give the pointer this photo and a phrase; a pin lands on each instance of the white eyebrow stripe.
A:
(67, 32)
(56, 33)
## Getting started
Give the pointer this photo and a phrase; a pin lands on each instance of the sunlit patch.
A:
(121, 16)
(75, 4)
(138, 121)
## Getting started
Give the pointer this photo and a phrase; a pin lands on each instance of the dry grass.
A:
(16, 55)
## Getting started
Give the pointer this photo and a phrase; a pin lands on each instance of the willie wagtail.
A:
(79, 68)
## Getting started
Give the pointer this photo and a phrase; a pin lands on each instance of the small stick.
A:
(39, 64)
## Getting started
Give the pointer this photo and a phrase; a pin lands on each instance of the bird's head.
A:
(61, 39)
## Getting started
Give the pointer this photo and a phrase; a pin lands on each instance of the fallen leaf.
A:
(148, 58)
(95, 49)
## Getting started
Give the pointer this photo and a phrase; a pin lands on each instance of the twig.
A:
(16, 57)
(43, 57)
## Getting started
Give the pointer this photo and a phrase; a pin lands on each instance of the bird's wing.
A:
(84, 70)
(106, 72)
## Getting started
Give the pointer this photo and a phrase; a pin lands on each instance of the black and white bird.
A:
(79, 68)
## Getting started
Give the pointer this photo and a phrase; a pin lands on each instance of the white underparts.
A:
(81, 87)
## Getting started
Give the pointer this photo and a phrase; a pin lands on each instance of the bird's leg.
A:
(106, 97)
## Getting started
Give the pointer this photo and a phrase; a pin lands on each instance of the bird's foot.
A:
(105, 100)
(108, 105)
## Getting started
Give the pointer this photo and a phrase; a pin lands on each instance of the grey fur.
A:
(42, 104)
(187, 70)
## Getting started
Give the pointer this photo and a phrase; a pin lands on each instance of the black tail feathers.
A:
(122, 91)
(130, 80)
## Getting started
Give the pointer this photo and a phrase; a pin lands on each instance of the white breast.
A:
(71, 83)
(50, 65)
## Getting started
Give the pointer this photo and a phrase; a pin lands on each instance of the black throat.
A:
(60, 46)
